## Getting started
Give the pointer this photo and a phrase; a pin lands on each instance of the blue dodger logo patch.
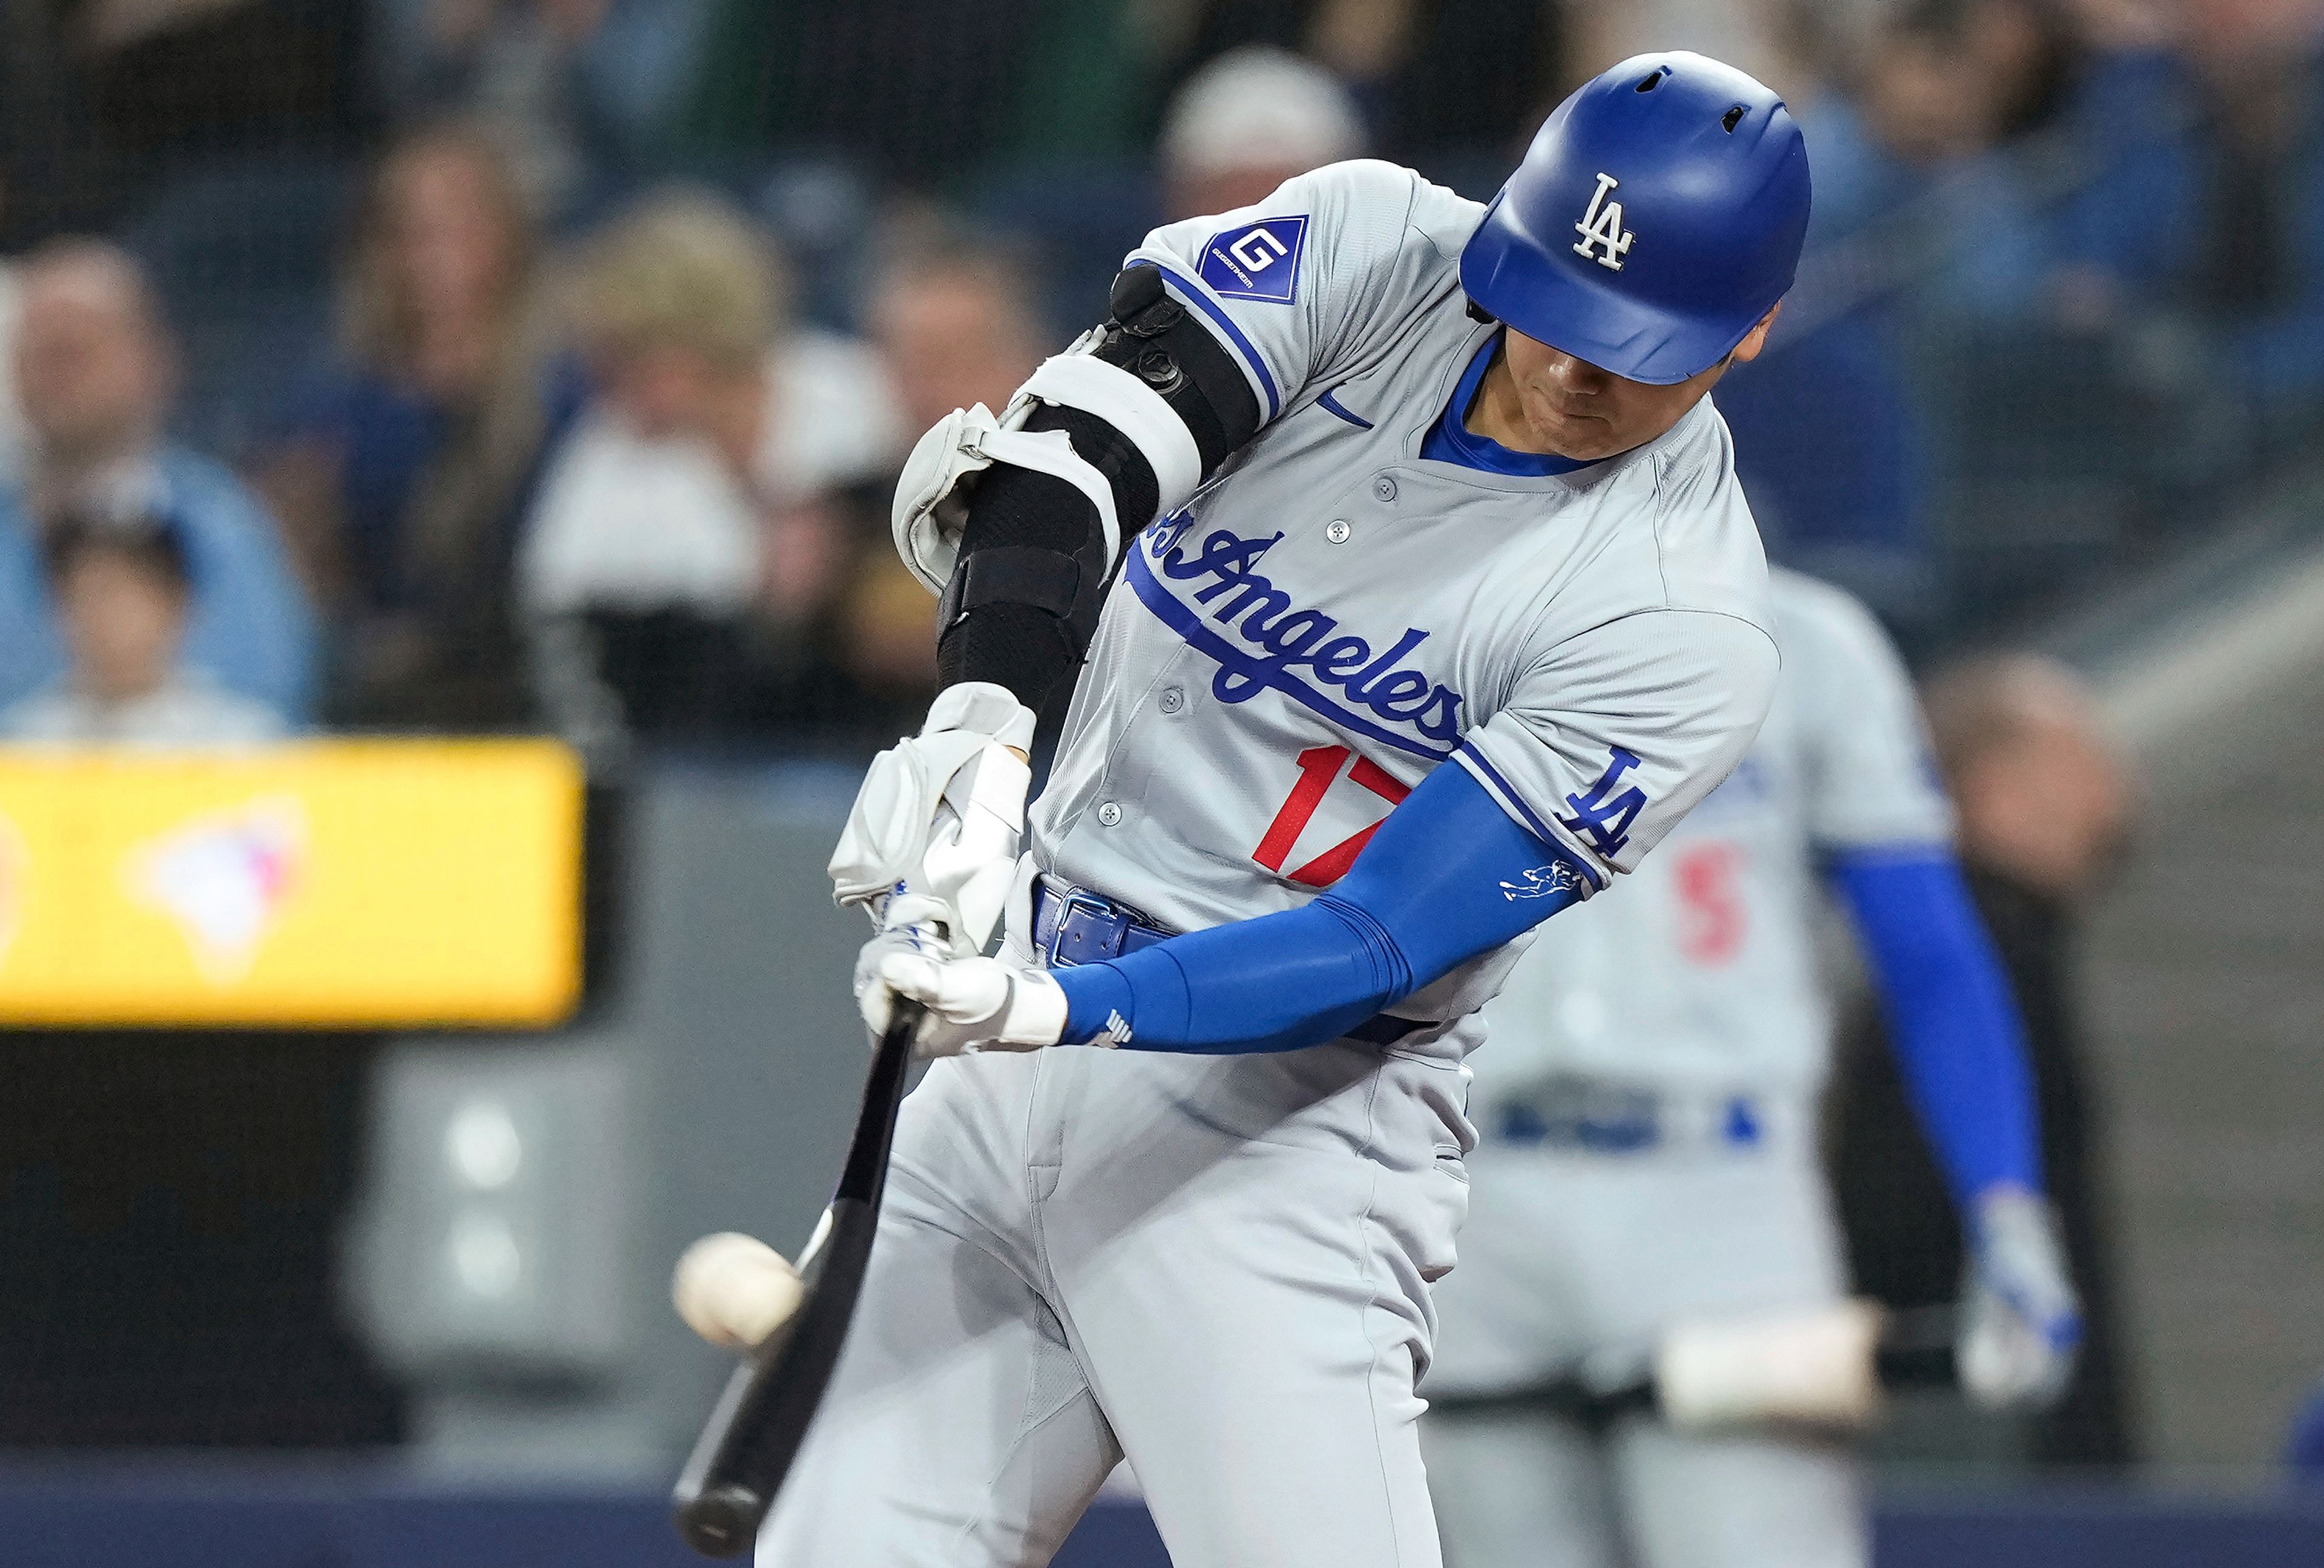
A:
(1260, 262)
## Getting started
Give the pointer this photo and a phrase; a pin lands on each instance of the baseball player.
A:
(1354, 483)
(1648, 1154)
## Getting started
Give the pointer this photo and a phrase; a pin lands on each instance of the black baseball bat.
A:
(753, 1434)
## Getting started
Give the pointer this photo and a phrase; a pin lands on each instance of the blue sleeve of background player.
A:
(1448, 876)
(1951, 1016)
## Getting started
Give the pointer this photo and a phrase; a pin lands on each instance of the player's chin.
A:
(1581, 438)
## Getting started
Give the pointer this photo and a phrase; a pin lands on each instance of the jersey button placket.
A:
(1109, 814)
(1383, 489)
(1173, 698)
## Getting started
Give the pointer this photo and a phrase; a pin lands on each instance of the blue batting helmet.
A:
(1656, 217)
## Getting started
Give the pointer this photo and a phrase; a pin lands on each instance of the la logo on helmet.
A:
(1602, 225)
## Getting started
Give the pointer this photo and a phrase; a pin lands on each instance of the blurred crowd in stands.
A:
(522, 364)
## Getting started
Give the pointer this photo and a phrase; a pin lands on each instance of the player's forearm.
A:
(1953, 1020)
(1432, 890)
(1279, 982)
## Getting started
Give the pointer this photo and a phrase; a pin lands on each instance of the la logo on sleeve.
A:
(1258, 261)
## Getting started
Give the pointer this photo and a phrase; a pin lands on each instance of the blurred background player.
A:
(1648, 1115)
(2045, 803)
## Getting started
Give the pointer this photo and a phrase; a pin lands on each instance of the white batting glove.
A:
(938, 820)
(2023, 1322)
(974, 1004)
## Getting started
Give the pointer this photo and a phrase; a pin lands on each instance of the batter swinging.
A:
(1354, 483)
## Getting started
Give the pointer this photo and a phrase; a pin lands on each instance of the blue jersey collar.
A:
(1450, 440)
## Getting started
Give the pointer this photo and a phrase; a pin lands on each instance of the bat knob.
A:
(721, 1522)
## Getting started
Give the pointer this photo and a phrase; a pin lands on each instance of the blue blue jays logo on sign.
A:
(1260, 262)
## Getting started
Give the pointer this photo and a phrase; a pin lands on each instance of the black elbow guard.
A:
(1152, 336)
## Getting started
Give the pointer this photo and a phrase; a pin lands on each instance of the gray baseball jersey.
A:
(1701, 971)
(1335, 615)
(1218, 1266)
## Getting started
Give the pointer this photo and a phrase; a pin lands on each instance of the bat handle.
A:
(723, 1521)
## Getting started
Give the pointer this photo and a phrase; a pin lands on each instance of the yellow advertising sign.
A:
(372, 882)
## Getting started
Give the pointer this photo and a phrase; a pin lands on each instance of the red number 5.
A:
(1318, 768)
(1712, 911)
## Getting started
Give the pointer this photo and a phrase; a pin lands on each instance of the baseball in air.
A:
(734, 1290)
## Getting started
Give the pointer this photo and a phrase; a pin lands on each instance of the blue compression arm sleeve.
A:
(1448, 876)
(1950, 1015)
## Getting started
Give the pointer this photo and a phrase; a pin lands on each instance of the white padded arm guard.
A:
(1080, 380)
(930, 511)
(935, 828)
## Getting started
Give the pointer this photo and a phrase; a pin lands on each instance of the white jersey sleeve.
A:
(1867, 778)
(1307, 286)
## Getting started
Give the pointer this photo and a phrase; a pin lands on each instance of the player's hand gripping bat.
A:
(738, 1462)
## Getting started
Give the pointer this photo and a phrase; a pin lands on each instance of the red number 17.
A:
(1318, 768)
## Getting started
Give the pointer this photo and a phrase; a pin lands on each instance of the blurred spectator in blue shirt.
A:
(401, 471)
(95, 371)
(1911, 156)
(121, 588)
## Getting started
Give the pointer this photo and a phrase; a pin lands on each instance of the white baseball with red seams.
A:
(1218, 1266)
(734, 1290)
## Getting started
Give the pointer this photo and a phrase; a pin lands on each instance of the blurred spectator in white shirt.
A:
(1247, 122)
(690, 513)
(122, 591)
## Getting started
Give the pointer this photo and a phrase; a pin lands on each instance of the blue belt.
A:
(1592, 1117)
(1080, 927)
